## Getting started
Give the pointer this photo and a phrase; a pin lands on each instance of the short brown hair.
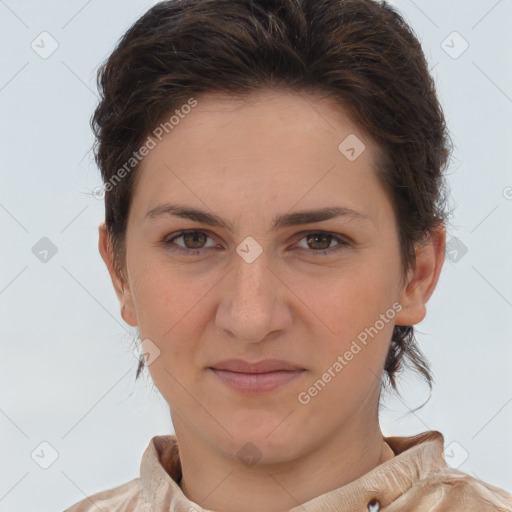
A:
(361, 53)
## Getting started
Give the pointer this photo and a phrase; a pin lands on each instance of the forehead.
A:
(272, 144)
(275, 121)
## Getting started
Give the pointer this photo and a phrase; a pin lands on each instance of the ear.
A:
(121, 287)
(422, 280)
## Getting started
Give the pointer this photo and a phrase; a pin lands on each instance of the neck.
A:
(216, 481)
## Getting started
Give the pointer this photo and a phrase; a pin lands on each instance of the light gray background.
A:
(67, 367)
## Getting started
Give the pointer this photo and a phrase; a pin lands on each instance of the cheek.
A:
(166, 298)
(353, 325)
(172, 314)
(345, 300)
(351, 340)
(173, 311)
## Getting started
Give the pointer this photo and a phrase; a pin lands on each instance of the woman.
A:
(275, 225)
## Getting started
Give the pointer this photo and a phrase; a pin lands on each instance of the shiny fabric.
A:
(417, 479)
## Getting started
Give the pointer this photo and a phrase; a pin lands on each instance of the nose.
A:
(254, 303)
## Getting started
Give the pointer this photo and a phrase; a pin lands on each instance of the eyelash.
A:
(342, 242)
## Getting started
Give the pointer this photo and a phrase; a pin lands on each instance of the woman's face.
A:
(254, 282)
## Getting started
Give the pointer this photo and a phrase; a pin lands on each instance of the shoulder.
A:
(460, 491)
(428, 483)
(125, 497)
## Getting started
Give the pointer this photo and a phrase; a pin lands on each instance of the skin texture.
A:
(248, 161)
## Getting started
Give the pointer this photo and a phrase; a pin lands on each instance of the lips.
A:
(265, 366)
(257, 377)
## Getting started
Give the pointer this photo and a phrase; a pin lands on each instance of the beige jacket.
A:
(417, 479)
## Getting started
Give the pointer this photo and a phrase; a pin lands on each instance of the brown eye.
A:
(195, 240)
(192, 242)
(319, 241)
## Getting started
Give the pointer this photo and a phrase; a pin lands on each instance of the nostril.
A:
(374, 506)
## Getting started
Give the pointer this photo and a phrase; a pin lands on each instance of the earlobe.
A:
(422, 280)
(121, 287)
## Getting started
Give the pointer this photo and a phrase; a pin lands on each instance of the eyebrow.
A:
(278, 222)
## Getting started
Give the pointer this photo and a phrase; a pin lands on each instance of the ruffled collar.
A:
(416, 457)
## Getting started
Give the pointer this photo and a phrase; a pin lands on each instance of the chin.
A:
(269, 441)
